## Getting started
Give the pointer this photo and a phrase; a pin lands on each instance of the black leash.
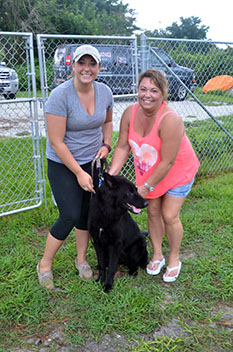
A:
(101, 165)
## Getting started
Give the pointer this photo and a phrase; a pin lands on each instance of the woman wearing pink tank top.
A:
(165, 166)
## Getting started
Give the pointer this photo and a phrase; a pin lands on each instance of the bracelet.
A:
(107, 146)
(150, 188)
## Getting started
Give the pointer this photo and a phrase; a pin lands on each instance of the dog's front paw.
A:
(133, 273)
(107, 288)
(97, 277)
(101, 276)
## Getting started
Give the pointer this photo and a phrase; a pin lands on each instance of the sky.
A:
(159, 14)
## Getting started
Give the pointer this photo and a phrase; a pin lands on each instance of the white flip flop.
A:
(157, 271)
(172, 278)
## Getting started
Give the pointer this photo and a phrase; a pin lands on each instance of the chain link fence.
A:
(188, 65)
(206, 105)
(21, 171)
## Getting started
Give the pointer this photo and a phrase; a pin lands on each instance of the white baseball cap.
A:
(87, 50)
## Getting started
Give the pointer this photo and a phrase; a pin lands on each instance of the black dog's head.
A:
(127, 196)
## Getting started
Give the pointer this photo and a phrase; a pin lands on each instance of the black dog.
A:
(116, 236)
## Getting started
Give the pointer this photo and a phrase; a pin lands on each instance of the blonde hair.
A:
(158, 78)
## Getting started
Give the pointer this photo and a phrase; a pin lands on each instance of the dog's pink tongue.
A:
(136, 210)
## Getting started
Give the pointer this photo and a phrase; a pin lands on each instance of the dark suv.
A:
(186, 75)
(117, 67)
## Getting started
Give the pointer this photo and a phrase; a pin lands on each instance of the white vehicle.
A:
(9, 82)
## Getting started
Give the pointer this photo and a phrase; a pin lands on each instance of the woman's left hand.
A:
(103, 152)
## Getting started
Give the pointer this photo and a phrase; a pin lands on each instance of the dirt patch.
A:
(56, 340)
(114, 343)
(224, 316)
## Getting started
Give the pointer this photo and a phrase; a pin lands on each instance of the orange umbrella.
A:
(223, 82)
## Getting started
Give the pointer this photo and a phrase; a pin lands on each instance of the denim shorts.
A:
(181, 191)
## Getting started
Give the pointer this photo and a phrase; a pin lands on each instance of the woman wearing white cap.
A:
(79, 125)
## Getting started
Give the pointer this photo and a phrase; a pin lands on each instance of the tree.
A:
(99, 17)
(161, 33)
(188, 29)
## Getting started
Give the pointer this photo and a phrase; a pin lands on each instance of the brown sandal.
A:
(46, 278)
(84, 270)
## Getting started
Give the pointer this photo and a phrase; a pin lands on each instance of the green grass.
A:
(136, 308)
(17, 181)
(211, 98)
(212, 146)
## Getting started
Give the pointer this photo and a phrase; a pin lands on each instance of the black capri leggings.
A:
(72, 201)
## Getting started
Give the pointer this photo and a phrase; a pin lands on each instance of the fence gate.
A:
(21, 164)
(119, 69)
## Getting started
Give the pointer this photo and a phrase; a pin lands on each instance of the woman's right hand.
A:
(85, 181)
(143, 191)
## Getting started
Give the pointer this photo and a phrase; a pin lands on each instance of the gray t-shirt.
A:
(84, 134)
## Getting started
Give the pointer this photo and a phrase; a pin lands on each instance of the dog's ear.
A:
(110, 180)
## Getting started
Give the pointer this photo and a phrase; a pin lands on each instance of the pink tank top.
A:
(146, 152)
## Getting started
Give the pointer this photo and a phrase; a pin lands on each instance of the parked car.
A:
(9, 82)
(177, 91)
(117, 66)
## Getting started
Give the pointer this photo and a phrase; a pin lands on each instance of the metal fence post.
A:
(143, 53)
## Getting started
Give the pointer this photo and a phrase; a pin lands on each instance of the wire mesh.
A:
(207, 115)
(20, 143)
(188, 64)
